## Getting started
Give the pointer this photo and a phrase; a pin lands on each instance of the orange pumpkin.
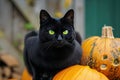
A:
(78, 72)
(103, 53)
(26, 75)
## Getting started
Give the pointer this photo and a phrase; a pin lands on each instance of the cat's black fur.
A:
(46, 54)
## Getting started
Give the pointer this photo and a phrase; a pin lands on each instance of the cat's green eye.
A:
(65, 32)
(51, 32)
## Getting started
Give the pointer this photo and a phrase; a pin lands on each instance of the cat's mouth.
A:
(60, 44)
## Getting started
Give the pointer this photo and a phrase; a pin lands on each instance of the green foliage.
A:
(0, 48)
(29, 26)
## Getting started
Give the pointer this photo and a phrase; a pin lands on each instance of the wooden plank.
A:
(16, 76)
(6, 17)
(7, 72)
(27, 12)
(0, 73)
(7, 48)
(17, 70)
(79, 17)
(9, 60)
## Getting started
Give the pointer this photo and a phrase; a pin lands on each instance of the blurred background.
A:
(17, 17)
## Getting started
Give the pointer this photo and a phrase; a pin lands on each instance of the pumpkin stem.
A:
(107, 32)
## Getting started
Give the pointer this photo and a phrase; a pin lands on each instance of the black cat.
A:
(53, 48)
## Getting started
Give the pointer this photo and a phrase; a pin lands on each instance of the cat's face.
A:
(57, 31)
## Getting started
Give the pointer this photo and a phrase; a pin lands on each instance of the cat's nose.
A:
(59, 38)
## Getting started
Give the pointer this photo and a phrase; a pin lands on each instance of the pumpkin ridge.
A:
(87, 41)
(80, 71)
(74, 71)
(87, 72)
(91, 53)
(64, 73)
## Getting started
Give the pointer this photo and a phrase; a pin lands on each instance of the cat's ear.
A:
(69, 16)
(44, 15)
